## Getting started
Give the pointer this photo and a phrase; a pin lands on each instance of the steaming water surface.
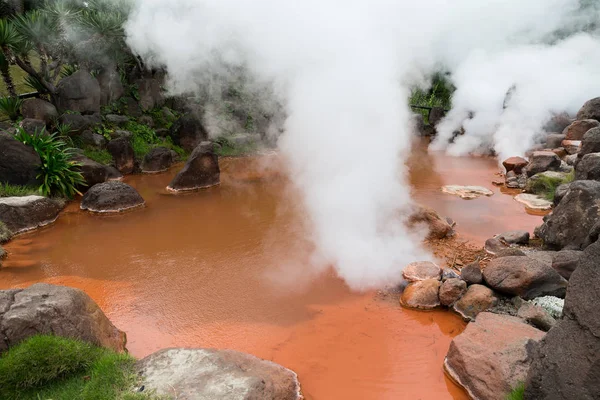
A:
(204, 270)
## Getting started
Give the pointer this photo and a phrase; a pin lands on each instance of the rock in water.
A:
(21, 214)
(494, 245)
(111, 197)
(478, 299)
(467, 192)
(566, 364)
(210, 374)
(492, 355)
(534, 202)
(422, 295)
(421, 270)
(18, 163)
(451, 291)
(158, 159)
(525, 277)
(122, 152)
(200, 171)
(58, 310)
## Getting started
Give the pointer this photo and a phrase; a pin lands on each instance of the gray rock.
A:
(79, 123)
(211, 374)
(558, 123)
(39, 109)
(545, 257)
(21, 214)
(188, 132)
(111, 87)
(554, 140)
(494, 245)
(553, 305)
(19, 163)
(590, 143)
(536, 316)
(122, 152)
(150, 93)
(57, 310)
(560, 192)
(93, 172)
(79, 92)
(472, 273)
(566, 261)
(590, 110)
(158, 159)
(132, 107)
(111, 197)
(118, 120)
(515, 237)
(448, 273)
(451, 291)
(200, 171)
(91, 139)
(542, 161)
(588, 168)
(33, 126)
(524, 277)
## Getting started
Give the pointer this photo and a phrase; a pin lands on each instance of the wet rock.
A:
(57, 310)
(511, 251)
(577, 129)
(188, 132)
(158, 159)
(122, 152)
(590, 142)
(590, 110)
(588, 168)
(39, 109)
(91, 139)
(200, 171)
(565, 262)
(150, 93)
(554, 140)
(118, 120)
(467, 192)
(572, 147)
(494, 245)
(566, 363)
(472, 273)
(421, 295)
(478, 299)
(421, 270)
(111, 197)
(111, 87)
(536, 316)
(515, 237)
(492, 355)
(534, 202)
(33, 126)
(516, 164)
(79, 123)
(79, 92)
(573, 218)
(451, 291)
(93, 172)
(524, 277)
(19, 163)
(542, 161)
(21, 214)
(514, 181)
(438, 227)
(216, 374)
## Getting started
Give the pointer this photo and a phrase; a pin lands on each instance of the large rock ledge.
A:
(22, 214)
(212, 374)
(57, 310)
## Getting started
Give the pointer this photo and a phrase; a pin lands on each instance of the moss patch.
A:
(517, 393)
(7, 190)
(545, 183)
(100, 156)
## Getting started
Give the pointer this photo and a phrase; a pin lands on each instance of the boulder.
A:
(21, 214)
(57, 310)
(467, 192)
(533, 202)
(472, 273)
(492, 355)
(515, 237)
(590, 110)
(541, 183)
(131, 107)
(554, 140)
(150, 93)
(118, 120)
(494, 245)
(94, 140)
(451, 291)
(542, 161)
(200, 171)
(421, 270)
(111, 87)
(79, 92)
(122, 152)
(93, 172)
(111, 197)
(421, 295)
(566, 364)
(33, 126)
(536, 316)
(565, 262)
(572, 147)
(588, 168)
(191, 374)
(516, 164)
(39, 109)
(158, 159)
(577, 129)
(188, 132)
(590, 142)
(573, 218)
(438, 227)
(79, 123)
(524, 277)
(477, 299)
(19, 164)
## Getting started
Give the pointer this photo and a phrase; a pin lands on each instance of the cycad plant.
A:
(11, 106)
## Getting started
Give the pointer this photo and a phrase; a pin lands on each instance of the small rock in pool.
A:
(422, 295)
(467, 192)
(534, 202)
(111, 197)
(421, 270)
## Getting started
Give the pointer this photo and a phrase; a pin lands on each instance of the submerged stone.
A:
(111, 197)
(200, 171)
(467, 192)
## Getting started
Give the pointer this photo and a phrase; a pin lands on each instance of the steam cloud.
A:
(344, 70)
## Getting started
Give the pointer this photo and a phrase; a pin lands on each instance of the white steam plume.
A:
(343, 69)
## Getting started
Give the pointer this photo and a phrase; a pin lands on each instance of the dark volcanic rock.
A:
(200, 171)
(558, 123)
(132, 107)
(590, 143)
(515, 237)
(588, 168)
(19, 163)
(590, 110)
(111, 88)
(122, 152)
(150, 93)
(21, 214)
(111, 197)
(79, 123)
(188, 132)
(524, 277)
(542, 161)
(472, 273)
(536, 316)
(33, 126)
(79, 92)
(94, 172)
(577, 129)
(436, 114)
(566, 364)
(157, 160)
(91, 139)
(216, 374)
(119, 120)
(57, 310)
(511, 251)
(39, 109)
(573, 218)
(565, 262)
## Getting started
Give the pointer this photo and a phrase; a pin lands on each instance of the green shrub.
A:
(59, 173)
(7, 190)
(100, 156)
(517, 393)
(11, 106)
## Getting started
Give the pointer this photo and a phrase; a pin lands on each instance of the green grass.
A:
(545, 186)
(7, 190)
(517, 393)
(100, 156)
(50, 367)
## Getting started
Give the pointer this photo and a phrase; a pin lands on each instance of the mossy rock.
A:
(545, 183)
(5, 233)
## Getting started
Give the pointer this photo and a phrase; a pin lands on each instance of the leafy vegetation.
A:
(50, 367)
(226, 148)
(59, 175)
(545, 184)
(438, 95)
(7, 190)
(100, 156)
(145, 139)
(517, 393)
(11, 106)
